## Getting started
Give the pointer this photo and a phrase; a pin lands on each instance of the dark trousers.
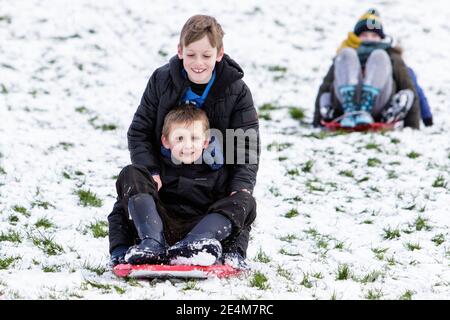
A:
(240, 209)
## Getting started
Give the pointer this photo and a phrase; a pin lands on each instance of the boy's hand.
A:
(157, 179)
(240, 190)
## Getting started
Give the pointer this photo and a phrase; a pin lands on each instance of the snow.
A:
(58, 57)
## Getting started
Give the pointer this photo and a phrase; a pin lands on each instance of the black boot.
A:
(202, 245)
(152, 248)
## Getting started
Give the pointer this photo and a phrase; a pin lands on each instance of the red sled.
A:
(169, 271)
(376, 126)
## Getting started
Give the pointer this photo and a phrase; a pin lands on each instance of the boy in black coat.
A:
(203, 75)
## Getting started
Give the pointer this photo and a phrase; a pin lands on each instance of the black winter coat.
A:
(229, 105)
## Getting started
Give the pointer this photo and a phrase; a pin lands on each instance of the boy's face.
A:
(186, 141)
(199, 59)
(369, 36)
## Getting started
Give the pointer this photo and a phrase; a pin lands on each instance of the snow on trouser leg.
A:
(202, 244)
(200, 252)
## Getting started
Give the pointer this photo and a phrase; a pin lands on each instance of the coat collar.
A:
(227, 72)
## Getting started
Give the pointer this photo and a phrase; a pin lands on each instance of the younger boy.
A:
(191, 216)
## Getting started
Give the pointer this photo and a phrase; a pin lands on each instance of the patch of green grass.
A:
(267, 107)
(291, 213)
(11, 235)
(81, 109)
(343, 272)
(262, 257)
(308, 166)
(275, 191)
(317, 275)
(277, 68)
(289, 238)
(287, 253)
(339, 245)
(439, 182)
(293, 172)
(364, 179)
(13, 219)
(44, 223)
(395, 140)
(312, 186)
(99, 269)
(108, 127)
(163, 53)
(413, 155)
(412, 246)
(4, 89)
(88, 198)
(371, 277)
(407, 295)
(346, 173)
(5, 263)
(368, 221)
(322, 243)
(390, 234)
(47, 244)
(265, 116)
(284, 273)
(279, 146)
(2, 171)
(379, 252)
(297, 113)
(421, 224)
(392, 174)
(373, 146)
(104, 287)
(410, 207)
(374, 294)
(306, 281)
(21, 210)
(312, 232)
(438, 239)
(373, 162)
(42, 204)
(391, 261)
(54, 268)
(99, 229)
(260, 281)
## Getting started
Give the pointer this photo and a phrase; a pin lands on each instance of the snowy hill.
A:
(349, 216)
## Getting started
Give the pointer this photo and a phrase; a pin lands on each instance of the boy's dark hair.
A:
(200, 25)
(184, 114)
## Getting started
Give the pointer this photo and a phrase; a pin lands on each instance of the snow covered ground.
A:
(353, 216)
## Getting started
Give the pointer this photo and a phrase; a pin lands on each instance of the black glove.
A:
(428, 122)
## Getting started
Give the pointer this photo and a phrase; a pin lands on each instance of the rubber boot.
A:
(152, 248)
(348, 105)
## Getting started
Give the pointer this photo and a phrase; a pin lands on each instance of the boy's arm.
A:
(425, 110)
(244, 117)
(140, 134)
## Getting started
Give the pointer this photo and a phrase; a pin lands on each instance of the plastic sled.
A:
(169, 271)
(376, 126)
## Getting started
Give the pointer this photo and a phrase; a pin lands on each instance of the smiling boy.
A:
(200, 74)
